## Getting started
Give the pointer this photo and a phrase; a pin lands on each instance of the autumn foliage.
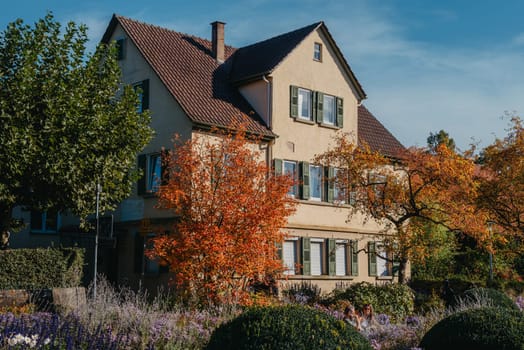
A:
(230, 209)
(418, 189)
(502, 181)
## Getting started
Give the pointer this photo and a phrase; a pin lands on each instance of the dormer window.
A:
(317, 52)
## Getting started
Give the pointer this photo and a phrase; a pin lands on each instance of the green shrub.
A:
(41, 268)
(286, 327)
(481, 329)
(396, 300)
(492, 296)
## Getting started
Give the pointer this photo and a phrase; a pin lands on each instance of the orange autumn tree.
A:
(502, 184)
(230, 210)
(419, 189)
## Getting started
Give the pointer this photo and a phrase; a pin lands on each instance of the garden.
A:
(303, 318)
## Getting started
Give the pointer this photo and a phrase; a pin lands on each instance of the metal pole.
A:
(98, 190)
(490, 229)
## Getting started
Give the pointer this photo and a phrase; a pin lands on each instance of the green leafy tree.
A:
(440, 138)
(66, 122)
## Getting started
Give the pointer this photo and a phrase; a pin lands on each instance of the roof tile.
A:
(373, 133)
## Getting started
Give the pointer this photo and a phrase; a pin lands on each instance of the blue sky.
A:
(425, 65)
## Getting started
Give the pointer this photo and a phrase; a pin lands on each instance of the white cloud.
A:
(519, 39)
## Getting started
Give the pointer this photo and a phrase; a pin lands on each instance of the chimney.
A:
(217, 40)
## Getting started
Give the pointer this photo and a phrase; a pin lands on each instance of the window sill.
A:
(329, 126)
(305, 121)
(384, 278)
(40, 232)
(321, 277)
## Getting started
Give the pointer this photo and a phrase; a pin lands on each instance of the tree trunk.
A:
(5, 226)
(403, 262)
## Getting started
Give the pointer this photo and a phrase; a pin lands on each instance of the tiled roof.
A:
(185, 65)
(261, 58)
(373, 133)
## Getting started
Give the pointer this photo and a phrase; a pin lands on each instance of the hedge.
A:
(41, 268)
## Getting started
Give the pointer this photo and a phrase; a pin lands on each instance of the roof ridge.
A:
(313, 25)
(168, 29)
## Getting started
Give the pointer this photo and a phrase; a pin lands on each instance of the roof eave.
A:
(358, 87)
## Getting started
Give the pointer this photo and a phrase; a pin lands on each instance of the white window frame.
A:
(290, 266)
(311, 197)
(339, 195)
(293, 190)
(384, 266)
(309, 105)
(153, 164)
(329, 109)
(317, 261)
(317, 52)
(342, 247)
(151, 267)
(43, 227)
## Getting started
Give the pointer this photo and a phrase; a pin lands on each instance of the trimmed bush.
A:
(286, 327)
(396, 300)
(488, 328)
(492, 296)
(41, 268)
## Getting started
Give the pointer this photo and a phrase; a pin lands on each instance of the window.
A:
(317, 257)
(289, 256)
(290, 168)
(317, 52)
(144, 265)
(120, 49)
(341, 258)
(45, 222)
(142, 88)
(381, 262)
(328, 110)
(304, 104)
(315, 177)
(152, 170)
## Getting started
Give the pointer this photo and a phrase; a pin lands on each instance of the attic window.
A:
(120, 49)
(317, 54)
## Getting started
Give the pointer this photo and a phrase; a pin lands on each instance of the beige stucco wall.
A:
(167, 118)
(302, 141)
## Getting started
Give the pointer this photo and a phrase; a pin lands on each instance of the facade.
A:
(296, 90)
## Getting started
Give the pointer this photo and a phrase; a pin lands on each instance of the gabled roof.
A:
(253, 61)
(186, 67)
(374, 134)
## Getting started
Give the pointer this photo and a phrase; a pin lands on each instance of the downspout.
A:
(269, 98)
(269, 151)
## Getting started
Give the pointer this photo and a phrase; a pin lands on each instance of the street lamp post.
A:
(490, 230)
(98, 191)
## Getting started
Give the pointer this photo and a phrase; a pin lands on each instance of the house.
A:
(296, 90)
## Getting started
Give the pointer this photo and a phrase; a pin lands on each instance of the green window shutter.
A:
(372, 259)
(332, 257)
(145, 94)
(278, 166)
(304, 180)
(319, 107)
(330, 184)
(354, 258)
(293, 102)
(340, 112)
(306, 256)
(396, 263)
(141, 184)
(139, 253)
(120, 49)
